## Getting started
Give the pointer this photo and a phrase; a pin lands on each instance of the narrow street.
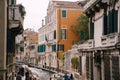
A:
(43, 75)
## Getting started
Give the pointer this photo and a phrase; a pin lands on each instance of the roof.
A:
(67, 4)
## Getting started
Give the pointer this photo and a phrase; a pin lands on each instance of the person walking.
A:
(71, 77)
(27, 77)
(18, 77)
(66, 77)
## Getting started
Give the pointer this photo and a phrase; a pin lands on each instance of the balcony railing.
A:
(15, 17)
(110, 40)
(87, 44)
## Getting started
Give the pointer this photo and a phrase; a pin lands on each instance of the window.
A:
(41, 48)
(82, 35)
(54, 48)
(54, 34)
(91, 30)
(21, 49)
(105, 31)
(63, 34)
(31, 47)
(61, 47)
(13, 1)
(110, 22)
(64, 13)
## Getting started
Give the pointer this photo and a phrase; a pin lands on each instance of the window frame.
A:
(63, 34)
(61, 47)
(64, 13)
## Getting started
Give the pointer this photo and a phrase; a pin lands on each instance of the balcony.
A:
(110, 39)
(91, 3)
(15, 16)
(86, 45)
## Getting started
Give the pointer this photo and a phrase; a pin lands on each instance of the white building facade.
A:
(100, 56)
(47, 38)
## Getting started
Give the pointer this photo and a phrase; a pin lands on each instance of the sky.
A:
(35, 11)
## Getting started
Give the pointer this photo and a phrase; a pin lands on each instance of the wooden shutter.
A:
(91, 30)
(54, 34)
(63, 13)
(82, 35)
(105, 24)
(115, 20)
(61, 34)
(110, 23)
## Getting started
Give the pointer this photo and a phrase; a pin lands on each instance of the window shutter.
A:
(61, 34)
(65, 33)
(105, 24)
(40, 48)
(54, 47)
(13, 1)
(115, 20)
(110, 21)
(82, 35)
(63, 13)
(54, 34)
(44, 48)
(63, 47)
(91, 30)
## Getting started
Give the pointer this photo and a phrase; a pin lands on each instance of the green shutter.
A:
(40, 48)
(65, 33)
(54, 48)
(63, 13)
(61, 34)
(82, 35)
(54, 34)
(12, 1)
(105, 24)
(43, 48)
(115, 20)
(110, 22)
(91, 30)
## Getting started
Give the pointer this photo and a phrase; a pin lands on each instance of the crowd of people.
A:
(64, 77)
(23, 72)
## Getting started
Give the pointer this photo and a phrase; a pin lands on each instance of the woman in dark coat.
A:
(27, 77)
(71, 77)
(18, 77)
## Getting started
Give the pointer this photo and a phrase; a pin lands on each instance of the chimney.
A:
(42, 22)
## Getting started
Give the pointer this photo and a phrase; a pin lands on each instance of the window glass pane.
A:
(61, 47)
(63, 33)
(63, 13)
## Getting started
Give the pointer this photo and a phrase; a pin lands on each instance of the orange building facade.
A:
(65, 23)
(55, 36)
